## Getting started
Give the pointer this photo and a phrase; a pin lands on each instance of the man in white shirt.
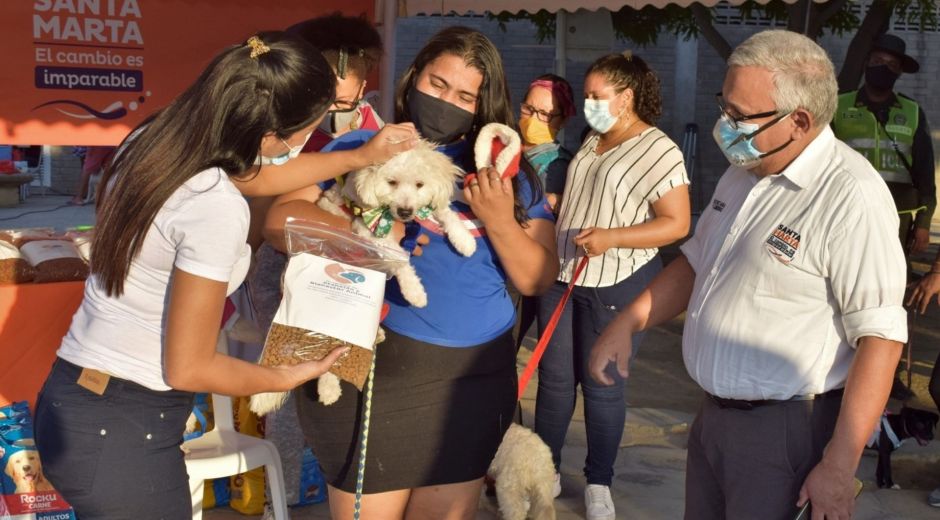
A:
(793, 285)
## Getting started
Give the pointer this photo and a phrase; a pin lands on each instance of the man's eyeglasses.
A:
(342, 106)
(739, 119)
(543, 116)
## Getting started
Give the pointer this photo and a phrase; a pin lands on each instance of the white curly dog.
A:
(418, 183)
(525, 476)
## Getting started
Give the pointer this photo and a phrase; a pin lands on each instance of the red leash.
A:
(549, 330)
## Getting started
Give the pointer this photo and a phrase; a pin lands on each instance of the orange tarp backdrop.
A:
(85, 72)
(33, 320)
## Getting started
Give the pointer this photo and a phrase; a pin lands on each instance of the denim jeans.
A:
(115, 455)
(564, 367)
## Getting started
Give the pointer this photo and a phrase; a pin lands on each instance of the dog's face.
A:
(919, 424)
(408, 182)
(25, 469)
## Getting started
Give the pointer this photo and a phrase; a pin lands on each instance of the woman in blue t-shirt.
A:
(445, 378)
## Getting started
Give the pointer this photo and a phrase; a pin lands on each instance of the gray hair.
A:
(803, 74)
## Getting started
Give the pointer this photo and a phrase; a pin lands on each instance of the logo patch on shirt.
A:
(717, 205)
(783, 243)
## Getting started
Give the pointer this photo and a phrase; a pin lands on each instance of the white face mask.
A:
(598, 116)
(292, 152)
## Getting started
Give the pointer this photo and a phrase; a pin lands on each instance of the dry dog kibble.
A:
(13, 268)
(288, 345)
(55, 261)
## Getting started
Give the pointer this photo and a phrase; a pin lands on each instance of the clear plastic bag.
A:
(307, 236)
(289, 342)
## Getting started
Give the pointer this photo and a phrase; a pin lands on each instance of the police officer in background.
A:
(890, 130)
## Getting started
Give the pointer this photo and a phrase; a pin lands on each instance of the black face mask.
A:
(880, 77)
(438, 120)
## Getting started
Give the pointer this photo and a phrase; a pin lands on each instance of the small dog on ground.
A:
(525, 475)
(909, 423)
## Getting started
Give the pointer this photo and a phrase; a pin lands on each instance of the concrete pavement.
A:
(649, 480)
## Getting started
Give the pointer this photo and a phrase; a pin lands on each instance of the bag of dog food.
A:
(55, 260)
(24, 491)
(334, 288)
(13, 267)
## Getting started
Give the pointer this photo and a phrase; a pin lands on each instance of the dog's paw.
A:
(464, 243)
(328, 389)
(895, 486)
(415, 295)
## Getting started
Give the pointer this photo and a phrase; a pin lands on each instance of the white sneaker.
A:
(598, 503)
(556, 489)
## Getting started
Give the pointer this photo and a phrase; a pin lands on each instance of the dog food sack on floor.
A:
(333, 294)
(24, 491)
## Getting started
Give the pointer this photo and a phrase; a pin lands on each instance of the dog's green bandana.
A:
(379, 220)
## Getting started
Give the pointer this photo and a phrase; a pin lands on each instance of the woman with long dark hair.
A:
(445, 376)
(170, 245)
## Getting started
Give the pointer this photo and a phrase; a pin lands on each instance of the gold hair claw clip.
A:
(257, 46)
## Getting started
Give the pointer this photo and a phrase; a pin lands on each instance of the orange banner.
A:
(85, 72)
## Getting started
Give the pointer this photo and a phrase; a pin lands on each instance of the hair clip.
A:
(257, 46)
(341, 62)
(628, 54)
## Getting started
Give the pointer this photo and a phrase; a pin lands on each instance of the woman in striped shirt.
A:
(626, 195)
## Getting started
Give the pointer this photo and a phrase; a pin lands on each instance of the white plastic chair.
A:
(223, 452)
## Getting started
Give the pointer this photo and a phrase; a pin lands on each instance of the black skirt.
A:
(438, 415)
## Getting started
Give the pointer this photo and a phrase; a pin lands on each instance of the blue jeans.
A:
(564, 366)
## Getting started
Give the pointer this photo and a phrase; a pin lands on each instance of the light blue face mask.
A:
(292, 152)
(598, 116)
(736, 140)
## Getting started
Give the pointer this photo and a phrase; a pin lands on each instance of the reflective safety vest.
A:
(857, 126)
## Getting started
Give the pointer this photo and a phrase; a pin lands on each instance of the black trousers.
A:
(116, 455)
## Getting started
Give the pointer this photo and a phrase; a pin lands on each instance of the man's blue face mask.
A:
(736, 140)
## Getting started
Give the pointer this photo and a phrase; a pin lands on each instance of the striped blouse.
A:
(611, 190)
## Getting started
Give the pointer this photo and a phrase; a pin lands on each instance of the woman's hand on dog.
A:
(490, 197)
(391, 140)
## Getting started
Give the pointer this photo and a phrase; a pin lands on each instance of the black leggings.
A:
(115, 455)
